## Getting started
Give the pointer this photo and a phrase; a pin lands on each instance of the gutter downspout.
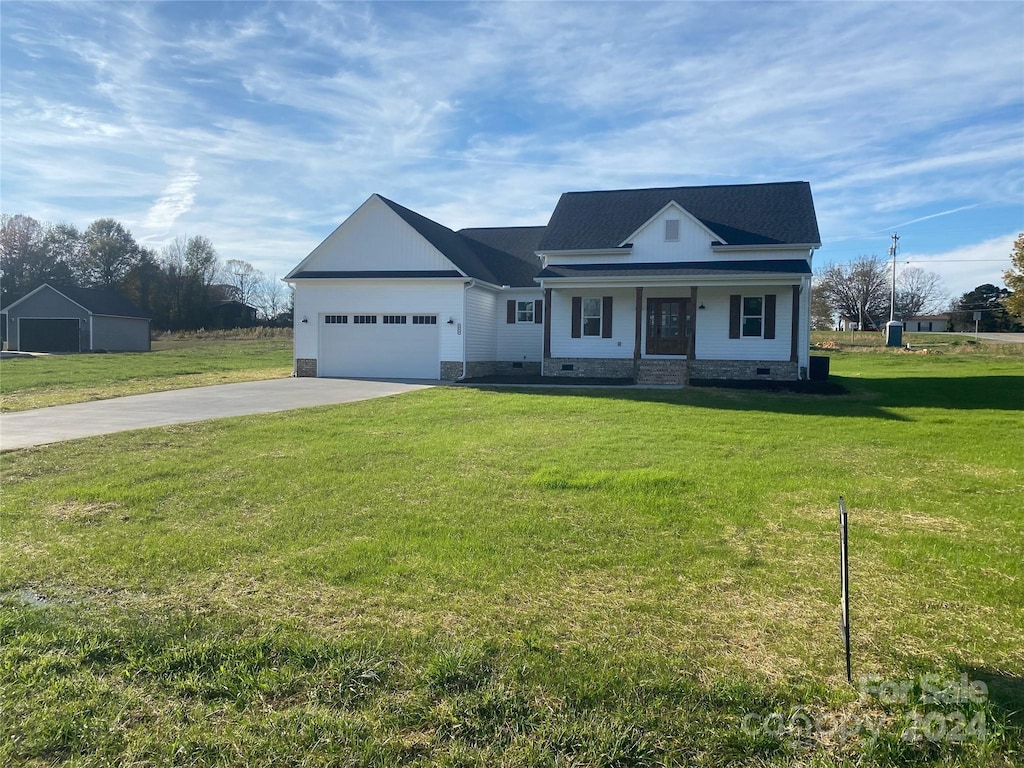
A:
(465, 327)
(547, 315)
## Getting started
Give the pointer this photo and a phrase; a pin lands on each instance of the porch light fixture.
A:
(451, 321)
(702, 306)
(305, 319)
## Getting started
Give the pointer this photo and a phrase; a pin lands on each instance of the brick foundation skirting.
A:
(618, 368)
(477, 368)
(505, 368)
(663, 372)
(590, 367)
(451, 370)
(744, 370)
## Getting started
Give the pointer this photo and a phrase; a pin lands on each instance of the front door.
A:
(666, 326)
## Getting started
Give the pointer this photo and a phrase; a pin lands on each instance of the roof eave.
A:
(617, 251)
(654, 280)
(726, 248)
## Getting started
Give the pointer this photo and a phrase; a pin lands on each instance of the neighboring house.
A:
(232, 314)
(656, 285)
(67, 319)
(853, 324)
(926, 324)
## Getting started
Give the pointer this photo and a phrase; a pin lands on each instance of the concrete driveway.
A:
(101, 417)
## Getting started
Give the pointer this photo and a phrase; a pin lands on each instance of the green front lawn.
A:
(475, 577)
(176, 362)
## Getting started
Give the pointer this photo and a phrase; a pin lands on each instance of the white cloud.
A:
(177, 199)
(967, 267)
(295, 113)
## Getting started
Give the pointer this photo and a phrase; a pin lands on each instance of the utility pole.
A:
(893, 330)
(892, 252)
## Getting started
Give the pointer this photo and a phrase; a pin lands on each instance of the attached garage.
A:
(49, 335)
(379, 345)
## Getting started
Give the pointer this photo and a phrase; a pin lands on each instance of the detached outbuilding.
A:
(66, 319)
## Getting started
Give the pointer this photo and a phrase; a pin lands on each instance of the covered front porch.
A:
(672, 332)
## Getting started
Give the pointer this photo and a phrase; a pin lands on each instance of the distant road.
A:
(1005, 338)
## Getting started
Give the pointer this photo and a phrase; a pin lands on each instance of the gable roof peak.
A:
(767, 213)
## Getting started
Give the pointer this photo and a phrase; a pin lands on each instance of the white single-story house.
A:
(926, 324)
(654, 285)
(72, 319)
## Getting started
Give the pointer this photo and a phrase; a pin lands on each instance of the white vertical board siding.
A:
(623, 324)
(649, 245)
(373, 297)
(375, 238)
(481, 343)
(518, 341)
(713, 342)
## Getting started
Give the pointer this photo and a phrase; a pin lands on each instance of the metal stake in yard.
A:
(844, 576)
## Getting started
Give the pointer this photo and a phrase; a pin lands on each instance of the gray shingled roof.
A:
(742, 214)
(101, 301)
(519, 242)
(682, 269)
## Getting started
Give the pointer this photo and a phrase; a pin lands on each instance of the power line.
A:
(892, 252)
(951, 261)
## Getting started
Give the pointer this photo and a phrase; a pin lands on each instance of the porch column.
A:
(795, 339)
(547, 326)
(639, 322)
(691, 344)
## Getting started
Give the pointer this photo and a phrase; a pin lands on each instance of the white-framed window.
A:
(752, 316)
(364, 319)
(591, 317)
(524, 311)
(671, 230)
(394, 319)
(335, 319)
(424, 319)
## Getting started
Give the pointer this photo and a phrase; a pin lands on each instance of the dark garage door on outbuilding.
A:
(72, 319)
(49, 335)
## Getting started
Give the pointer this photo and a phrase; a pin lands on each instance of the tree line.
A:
(862, 291)
(182, 285)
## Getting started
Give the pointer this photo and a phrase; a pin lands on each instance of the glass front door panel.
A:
(666, 322)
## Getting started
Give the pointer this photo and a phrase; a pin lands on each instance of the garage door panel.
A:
(48, 335)
(373, 348)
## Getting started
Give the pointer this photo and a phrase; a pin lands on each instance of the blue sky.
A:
(263, 125)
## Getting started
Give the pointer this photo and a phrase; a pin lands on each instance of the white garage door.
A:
(379, 346)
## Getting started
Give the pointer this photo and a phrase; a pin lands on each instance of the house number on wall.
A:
(459, 327)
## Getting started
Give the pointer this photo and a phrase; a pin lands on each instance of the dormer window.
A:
(671, 230)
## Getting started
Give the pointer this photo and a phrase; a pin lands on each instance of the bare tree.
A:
(919, 292)
(858, 290)
(270, 298)
(822, 316)
(244, 280)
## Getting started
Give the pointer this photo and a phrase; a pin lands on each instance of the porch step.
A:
(668, 372)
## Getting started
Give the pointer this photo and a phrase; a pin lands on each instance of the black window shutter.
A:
(769, 316)
(538, 311)
(606, 317)
(510, 311)
(577, 317)
(734, 316)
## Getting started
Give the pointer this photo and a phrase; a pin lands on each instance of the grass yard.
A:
(176, 362)
(470, 577)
